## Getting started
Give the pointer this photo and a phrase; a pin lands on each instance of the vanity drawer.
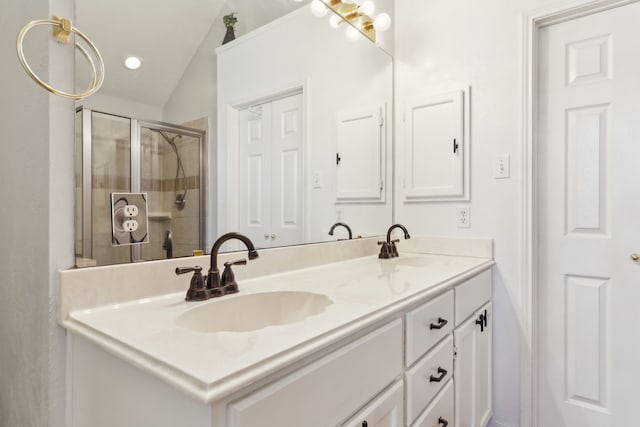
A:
(428, 377)
(428, 324)
(440, 413)
(328, 390)
(472, 294)
(384, 411)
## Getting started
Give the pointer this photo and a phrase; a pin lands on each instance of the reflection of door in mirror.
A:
(119, 154)
(270, 176)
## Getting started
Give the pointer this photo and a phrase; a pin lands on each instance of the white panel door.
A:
(589, 221)
(359, 161)
(286, 172)
(254, 174)
(270, 172)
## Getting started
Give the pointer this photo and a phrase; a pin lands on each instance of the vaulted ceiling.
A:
(164, 33)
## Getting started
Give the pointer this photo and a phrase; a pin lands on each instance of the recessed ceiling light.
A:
(132, 62)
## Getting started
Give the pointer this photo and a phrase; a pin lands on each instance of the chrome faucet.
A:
(389, 249)
(341, 224)
(216, 285)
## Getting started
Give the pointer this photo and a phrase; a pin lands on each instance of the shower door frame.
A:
(135, 167)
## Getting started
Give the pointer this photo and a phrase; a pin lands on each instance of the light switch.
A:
(316, 180)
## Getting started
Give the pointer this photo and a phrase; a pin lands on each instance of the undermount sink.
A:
(243, 313)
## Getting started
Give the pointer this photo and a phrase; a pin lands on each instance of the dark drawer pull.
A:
(442, 372)
(440, 324)
(443, 422)
(365, 423)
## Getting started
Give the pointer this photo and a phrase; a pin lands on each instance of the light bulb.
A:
(352, 33)
(335, 21)
(132, 62)
(367, 7)
(382, 22)
(318, 8)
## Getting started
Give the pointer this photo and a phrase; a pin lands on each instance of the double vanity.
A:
(319, 335)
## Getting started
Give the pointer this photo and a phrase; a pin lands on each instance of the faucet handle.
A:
(184, 270)
(228, 278)
(236, 262)
(197, 288)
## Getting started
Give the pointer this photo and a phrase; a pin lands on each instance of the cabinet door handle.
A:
(434, 379)
(365, 423)
(439, 325)
(481, 321)
(443, 422)
(485, 318)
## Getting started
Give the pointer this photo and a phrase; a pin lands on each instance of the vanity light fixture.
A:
(132, 62)
(357, 13)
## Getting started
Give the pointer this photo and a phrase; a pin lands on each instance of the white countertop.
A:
(209, 366)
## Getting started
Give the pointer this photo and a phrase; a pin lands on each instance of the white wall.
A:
(36, 155)
(340, 75)
(121, 107)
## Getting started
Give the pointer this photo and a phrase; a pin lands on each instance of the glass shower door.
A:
(171, 176)
(103, 166)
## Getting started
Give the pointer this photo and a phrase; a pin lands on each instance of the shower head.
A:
(181, 198)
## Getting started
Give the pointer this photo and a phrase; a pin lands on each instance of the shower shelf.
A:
(159, 216)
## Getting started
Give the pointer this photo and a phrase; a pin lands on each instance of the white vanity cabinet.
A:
(425, 363)
(473, 369)
(385, 411)
(328, 391)
(449, 368)
(473, 363)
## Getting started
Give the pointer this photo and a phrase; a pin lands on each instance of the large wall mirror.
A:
(278, 134)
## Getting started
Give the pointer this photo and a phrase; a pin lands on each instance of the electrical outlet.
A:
(130, 225)
(502, 167)
(464, 217)
(131, 211)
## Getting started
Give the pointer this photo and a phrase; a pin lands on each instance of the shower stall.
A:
(166, 162)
